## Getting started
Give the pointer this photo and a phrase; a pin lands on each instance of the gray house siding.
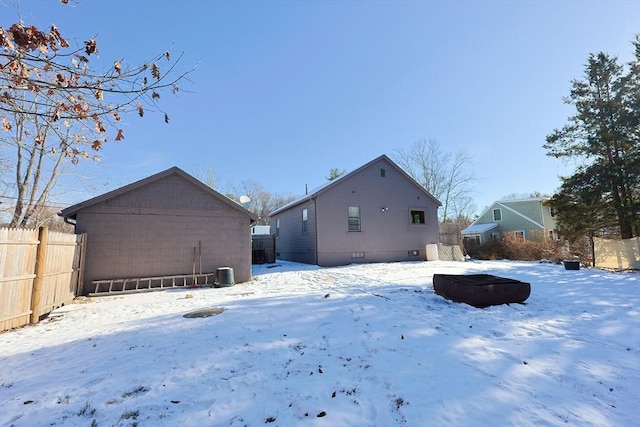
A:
(385, 201)
(292, 242)
(161, 228)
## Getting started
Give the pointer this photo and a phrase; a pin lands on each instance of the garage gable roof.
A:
(71, 211)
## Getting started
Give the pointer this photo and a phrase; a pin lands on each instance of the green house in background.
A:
(530, 219)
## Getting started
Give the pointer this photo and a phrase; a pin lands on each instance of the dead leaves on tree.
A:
(32, 74)
(91, 47)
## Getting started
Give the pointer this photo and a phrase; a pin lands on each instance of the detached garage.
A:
(168, 224)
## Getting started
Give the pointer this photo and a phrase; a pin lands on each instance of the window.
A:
(305, 222)
(473, 239)
(383, 172)
(357, 255)
(497, 214)
(277, 227)
(417, 217)
(495, 236)
(552, 212)
(519, 234)
(354, 218)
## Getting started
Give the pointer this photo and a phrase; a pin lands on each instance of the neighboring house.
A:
(376, 213)
(167, 224)
(530, 219)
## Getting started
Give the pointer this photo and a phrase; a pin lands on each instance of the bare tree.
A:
(262, 201)
(208, 175)
(56, 110)
(47, 216)
(448, 177)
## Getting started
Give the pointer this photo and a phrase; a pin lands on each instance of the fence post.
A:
(41, 259)
(83, 253)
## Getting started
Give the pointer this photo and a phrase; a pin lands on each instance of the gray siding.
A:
(385, 235)
(153, 230)
(292, 243)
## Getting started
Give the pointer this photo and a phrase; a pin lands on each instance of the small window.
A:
(354, 218)
(305, 222)
(552, 212)
(497, 214)
(417, 217)
(414, 252)
(495, 236)
(519, 234)
(383, 172)
(277, 227)
(357, 255)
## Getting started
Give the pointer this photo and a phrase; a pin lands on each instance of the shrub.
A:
(516, 248)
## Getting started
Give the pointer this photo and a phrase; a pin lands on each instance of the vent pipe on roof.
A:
(306, 190)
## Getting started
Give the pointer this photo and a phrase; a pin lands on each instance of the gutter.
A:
(66, 220)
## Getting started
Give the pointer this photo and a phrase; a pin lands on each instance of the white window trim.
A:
(359, 219)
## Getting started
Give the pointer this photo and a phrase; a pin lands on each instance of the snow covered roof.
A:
(479, 228)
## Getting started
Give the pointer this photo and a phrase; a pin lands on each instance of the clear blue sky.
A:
(286, 90)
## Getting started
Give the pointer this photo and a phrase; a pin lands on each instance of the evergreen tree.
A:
(604, 135)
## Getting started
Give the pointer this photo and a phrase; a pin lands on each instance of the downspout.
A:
(315, 226)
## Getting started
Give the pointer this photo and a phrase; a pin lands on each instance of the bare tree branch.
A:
(448, 178)
(55, 109)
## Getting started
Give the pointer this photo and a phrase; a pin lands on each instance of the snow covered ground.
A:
(361, 345)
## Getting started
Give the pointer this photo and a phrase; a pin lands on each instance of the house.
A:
(530, 219)
(167, 224)
(377, 213)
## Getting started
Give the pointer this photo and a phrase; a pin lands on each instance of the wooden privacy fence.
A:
(263, 248)
(617, 254)
(39, 271)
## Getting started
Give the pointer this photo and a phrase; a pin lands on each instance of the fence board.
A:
(617, 254)
(17, 262)
(62, 270)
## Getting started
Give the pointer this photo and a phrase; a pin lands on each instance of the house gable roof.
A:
(327, 186)
(520, 214)
(72, 211)
(505, 205)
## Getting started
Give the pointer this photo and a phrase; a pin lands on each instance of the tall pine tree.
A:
(604, 134)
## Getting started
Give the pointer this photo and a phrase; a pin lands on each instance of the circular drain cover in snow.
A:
(205, 312)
